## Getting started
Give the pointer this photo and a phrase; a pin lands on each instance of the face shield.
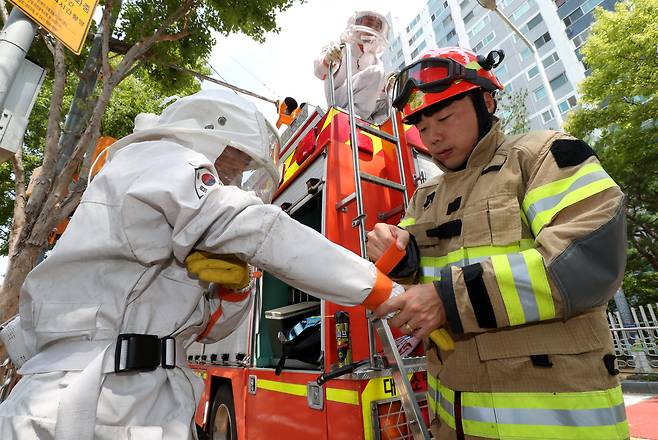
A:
(240, 167)
(369, 29)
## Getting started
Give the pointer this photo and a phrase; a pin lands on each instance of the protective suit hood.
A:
(207, 122)
(369, 29)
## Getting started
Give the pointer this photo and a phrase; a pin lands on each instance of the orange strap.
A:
(390, 258)
(380, 291)
(232, 295)
(213, 320)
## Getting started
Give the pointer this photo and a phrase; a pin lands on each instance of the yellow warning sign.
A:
(66, 20)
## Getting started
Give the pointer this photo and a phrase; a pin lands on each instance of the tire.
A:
(222, 424)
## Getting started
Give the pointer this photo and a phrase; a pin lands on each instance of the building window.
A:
(463, 4)
(479, 26)
(417, 50)
(559, 81)
(532, 72)
(521, 10)
(501, 73)
(579, 39)
(446, 21)
(484, 42)
(525, 54)
(468, 17)
(451, 34)
(559, 3)
(539, 42)
(571, 18)
(567, 104)
(533, 23)
(433, 17)
(550, 60)
(445, 5)
(539, 93)
(547, 116)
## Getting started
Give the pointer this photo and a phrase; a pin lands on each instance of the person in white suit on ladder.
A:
(366, 33)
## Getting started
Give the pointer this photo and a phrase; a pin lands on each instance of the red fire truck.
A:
(244, 396)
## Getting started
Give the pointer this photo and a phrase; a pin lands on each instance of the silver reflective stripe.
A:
(435, 271)
(551, 201)
(446, 404)
(524, 287)
(552, 417)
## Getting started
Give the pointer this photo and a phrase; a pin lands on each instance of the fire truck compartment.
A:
(283, 306)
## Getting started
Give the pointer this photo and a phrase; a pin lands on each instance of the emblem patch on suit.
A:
(428, 200)
(203, 181)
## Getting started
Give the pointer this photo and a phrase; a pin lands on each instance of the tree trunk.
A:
(20, 264)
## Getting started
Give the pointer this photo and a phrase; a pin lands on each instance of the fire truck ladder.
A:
(393, 359)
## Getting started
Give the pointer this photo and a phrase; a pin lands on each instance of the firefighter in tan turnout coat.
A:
(516, 250)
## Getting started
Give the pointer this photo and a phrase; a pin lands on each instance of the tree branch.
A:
(19, 203)
(141, 47)
(46, 40)
(3, 11)
(44, 182)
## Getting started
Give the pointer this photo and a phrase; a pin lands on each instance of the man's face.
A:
(230, 164)
(370, 21)
(451, 133)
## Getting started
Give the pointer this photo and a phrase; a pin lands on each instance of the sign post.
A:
(66, 20)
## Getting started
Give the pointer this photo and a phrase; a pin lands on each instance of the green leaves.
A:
(619, 117)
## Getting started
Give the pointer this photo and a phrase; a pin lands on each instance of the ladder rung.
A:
(376, 132)
(384, 182)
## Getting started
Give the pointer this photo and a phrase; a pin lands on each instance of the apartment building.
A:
(558, 28)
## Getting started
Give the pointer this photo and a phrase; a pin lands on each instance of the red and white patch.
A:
(204, 180)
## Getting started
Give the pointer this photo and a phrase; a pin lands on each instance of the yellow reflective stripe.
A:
(282, 387)
(573, 400)
(557, 186)
(476, 252)
(333, 394)
(540, 286)
(449, 396)
(576, 196)
(543, 203)
(507, 288)
(407, 222)
(343, 396)
(585, 415)
(617, 431)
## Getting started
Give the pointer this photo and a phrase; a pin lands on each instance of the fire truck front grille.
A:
(390, 421)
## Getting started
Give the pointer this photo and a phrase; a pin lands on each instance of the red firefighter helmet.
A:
(440, 74)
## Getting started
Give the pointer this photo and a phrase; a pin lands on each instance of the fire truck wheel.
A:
(222, 416)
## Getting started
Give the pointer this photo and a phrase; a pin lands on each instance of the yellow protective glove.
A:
(225, 270)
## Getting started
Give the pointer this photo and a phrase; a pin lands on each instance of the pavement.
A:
(642, 413)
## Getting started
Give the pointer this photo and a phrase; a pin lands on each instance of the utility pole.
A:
(492, 6)
(15, 40)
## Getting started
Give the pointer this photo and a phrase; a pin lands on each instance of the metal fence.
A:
(636, 343)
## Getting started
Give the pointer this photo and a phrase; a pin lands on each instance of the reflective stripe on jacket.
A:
(526, 245)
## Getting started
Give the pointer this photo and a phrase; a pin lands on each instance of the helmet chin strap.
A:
(485, 119)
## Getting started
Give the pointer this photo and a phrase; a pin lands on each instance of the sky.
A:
(283, 65)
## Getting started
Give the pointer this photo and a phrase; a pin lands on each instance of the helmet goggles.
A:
(433, 75)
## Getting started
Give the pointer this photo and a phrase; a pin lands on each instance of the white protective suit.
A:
(119, 268)
(367, 45)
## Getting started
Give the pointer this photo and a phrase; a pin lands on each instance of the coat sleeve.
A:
(577, 217)
(181, 198)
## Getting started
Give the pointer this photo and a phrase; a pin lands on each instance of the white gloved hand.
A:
(333, 54)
